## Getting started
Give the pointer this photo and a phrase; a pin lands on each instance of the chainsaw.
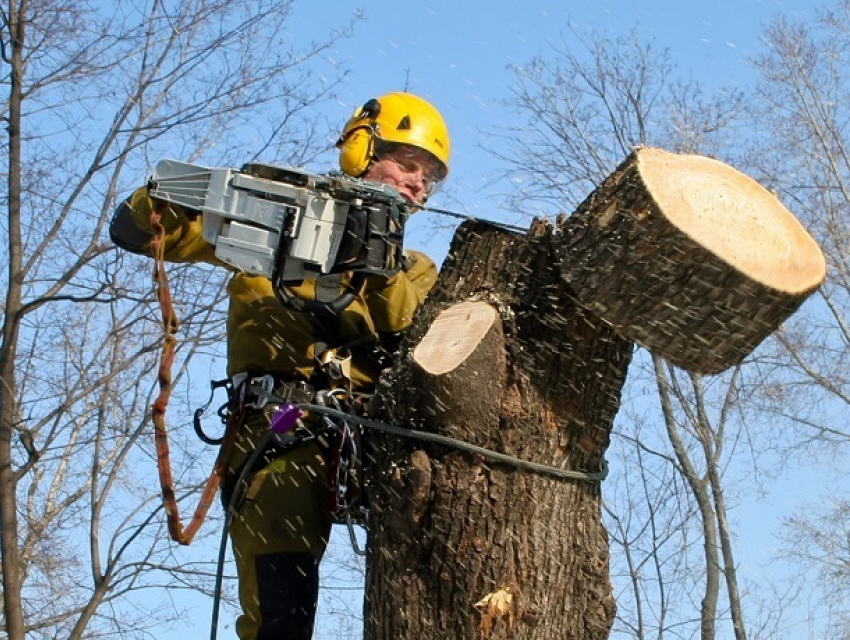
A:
(289, 225)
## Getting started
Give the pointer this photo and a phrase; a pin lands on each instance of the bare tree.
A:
(819, 538)
(92, 95)
(807, 374)
(805, 79)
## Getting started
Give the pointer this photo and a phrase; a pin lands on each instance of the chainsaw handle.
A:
(331, 308)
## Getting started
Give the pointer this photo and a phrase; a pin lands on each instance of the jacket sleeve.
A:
(130, 229)
(393, 302)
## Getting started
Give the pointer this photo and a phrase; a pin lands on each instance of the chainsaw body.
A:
(287, 224)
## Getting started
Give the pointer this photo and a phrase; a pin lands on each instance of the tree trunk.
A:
(12, 579)
(689, 257)
(502, 357)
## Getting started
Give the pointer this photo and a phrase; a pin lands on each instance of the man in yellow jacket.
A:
(280, 531)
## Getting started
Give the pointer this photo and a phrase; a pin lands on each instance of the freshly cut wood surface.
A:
(734, 217)
(689, 257)
(453, 336)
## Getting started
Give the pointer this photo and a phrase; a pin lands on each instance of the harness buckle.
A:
(334, 364)
(256, 392)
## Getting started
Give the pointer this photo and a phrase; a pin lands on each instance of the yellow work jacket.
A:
(264, 336)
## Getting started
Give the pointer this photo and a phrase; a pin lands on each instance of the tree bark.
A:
(12, 579)
(689, 257)
(462, 547)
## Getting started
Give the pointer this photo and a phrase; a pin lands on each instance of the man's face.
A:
(409, 170)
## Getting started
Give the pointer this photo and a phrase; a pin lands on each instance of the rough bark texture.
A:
(464, 548)
(682, 253)
(690, 258)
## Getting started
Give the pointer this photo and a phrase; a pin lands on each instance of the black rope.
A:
(527, 465)
(229, 513)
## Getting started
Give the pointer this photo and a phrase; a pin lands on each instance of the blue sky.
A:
(458, 55)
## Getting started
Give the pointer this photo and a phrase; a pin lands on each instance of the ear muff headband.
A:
(371, 110)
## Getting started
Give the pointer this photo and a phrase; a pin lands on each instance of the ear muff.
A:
(357, 143)
(356, 150)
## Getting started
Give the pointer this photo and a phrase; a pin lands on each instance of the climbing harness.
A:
(286, 431)
(340, 438)
(346, 501)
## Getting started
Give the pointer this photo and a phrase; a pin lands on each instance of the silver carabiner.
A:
(261, 388)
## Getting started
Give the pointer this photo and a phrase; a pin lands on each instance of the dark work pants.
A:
(278, 537)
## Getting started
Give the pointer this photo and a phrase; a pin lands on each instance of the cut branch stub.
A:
(454, 336)
(689, 257)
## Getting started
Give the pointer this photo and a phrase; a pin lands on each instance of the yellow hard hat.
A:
(399, 118)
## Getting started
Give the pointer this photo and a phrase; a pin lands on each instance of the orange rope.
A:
(170, 325)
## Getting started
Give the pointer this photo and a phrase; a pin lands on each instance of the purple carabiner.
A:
(285, 417)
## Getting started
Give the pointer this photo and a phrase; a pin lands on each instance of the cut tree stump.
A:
(690, 258)
(500, 356)
(522, 349)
